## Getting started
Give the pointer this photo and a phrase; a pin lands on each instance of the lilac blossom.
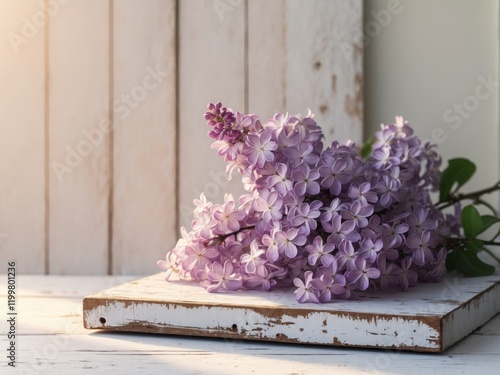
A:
(289, 240)
(280, 181)
(319, 251)
(269, 203)
(228, 218)
(222, 277)
(306, 214)
(254, 259)
(361, 273)
(261, 147)
(320, 217)
(305, 291)
(334, 176)
(305, 180)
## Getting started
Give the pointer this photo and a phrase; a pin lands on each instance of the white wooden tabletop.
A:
(50, 339)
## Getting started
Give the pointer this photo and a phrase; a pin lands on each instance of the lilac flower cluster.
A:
(323, 219)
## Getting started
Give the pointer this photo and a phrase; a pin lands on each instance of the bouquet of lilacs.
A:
(333, 221)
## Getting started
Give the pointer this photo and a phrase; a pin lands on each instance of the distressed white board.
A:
(22, 148)
(302, 54)
(78, 103)
(429, 317)
(52, 341)
(211, 68)
(144, 131)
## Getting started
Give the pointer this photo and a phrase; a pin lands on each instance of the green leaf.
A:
(487, 221)
(458, 172)
(366, 150)
(470, 265)
(471, 221)
(474, 246)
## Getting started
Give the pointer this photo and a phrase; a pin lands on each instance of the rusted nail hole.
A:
(234, 327)
(102, 320)
(323, 108)
(317, 64)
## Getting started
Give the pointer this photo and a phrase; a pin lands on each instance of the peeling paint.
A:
(416, 320)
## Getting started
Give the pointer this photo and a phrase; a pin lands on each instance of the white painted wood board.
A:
(78, 106)
(22, 147)
(428, 318)
(144, 131)
(53, 341)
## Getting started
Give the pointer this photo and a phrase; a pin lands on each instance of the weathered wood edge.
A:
(443, 330)
(95, 306)
(468, 317)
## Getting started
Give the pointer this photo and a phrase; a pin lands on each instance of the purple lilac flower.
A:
(361, 273)
(261, 277)
(289, 240)
(198, 256)
(306, 214)
(269, 203)
(319, 251)
(261, 147)
(254, 259)
(341, 230)
(305, 291)
(362, 193)
(419, 222)
(420, 247)
(229, 218)
(408, 276)
(334, 176)
(370, 249)
(280, 181)
(358, 213)
(222, 277)
(303, 154)
(320, 217)
(329, 284)
(388, 272)
(305, 180)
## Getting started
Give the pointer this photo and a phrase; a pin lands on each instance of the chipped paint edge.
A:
(282, 325)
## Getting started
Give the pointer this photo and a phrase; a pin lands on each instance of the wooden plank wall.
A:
(104, 146)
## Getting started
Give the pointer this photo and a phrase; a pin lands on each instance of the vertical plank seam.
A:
(246, 57)
(284, 57)
(365, 129)
(111, 135)
(46, 140)
(177, 113)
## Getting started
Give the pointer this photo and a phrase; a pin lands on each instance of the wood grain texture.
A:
(302, 55)
(144, 206)
(429, 318)
(78, 110)
(267, 65)
(211, 69)
(324, 67)
(22, 181)
(53, 341)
